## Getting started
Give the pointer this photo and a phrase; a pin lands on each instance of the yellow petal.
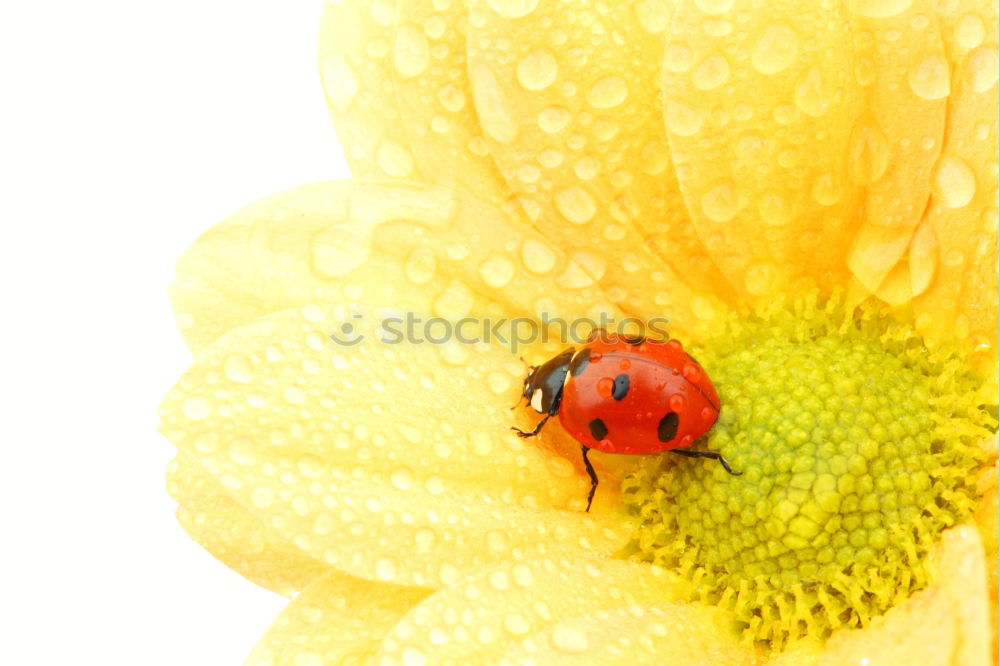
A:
(380, 246)
(554, 611)
(393, 462)
(355, 59)
(945, 624)
(337, 620)
(784, 126)
(961, 301)
(233, 535)
(568, 100)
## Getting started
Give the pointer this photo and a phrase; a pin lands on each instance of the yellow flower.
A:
(807, 191)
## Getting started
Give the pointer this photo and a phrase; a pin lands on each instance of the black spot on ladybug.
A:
(667, 429)
(580, 361)
(621, 387)
(634, 340)
(598, 430)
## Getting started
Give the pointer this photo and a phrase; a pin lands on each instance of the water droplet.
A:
(262, 497)
(655, 158)
(411, 52)
(970, 32)
(574, 277)
(237, 368)
(586, 168)
(677, 57)
(930, 79)
(512, 9)
(516, 624)
(339, 82)
(714, 7)
(570, 639)
(455, 301)
(773, 209)
(528, 173)
(982, 68)
(394, 158)
(868, 158)
(575, 204)
(683, 120)
(537, 70)
(402, 478)
(421, 265)
(878, 8)
(550, 158)
(864, 71)
(497, 272)
(385, 568)
(811, 95)
(653, 15)
(196, 409)
(711, 73)
(776, 49)
(825, 191)
(538, 257)
(760, 279)
(295, 395)
(607, 93)
(553, 119)
(452, 98)
(721, 202)
(495, 116)
(954, 182)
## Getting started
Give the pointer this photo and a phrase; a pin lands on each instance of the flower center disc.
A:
(857, 447)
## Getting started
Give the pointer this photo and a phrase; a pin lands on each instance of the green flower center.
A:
(857, 447)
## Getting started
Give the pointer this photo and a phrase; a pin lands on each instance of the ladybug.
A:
(627, 395)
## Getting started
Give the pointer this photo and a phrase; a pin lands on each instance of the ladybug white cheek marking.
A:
(536, 400)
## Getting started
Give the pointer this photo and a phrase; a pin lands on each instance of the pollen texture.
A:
(857, 447)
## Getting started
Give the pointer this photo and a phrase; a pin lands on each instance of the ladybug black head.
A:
(544, 384)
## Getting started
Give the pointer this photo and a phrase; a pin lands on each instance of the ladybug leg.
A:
(708, 454)
(538, 428)
(593, 476)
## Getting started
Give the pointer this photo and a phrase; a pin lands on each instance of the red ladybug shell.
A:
(636, 396)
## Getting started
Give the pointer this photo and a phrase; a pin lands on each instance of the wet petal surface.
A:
(390, 462)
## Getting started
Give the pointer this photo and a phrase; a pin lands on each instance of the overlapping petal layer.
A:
(554, 611)
(378, 246)
(390, 462)
(235, 536)
(339, 620)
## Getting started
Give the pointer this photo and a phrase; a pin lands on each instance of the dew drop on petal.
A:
(982, 68)
(607, 93)
(394, 158)
(553, 119)
(868, 156)
(538, 257)
(653, 15)
(339, 81)
(721, 202)
(196, 409)
(681, 119)
(575, 204)
(930, 78)
(775, 50)
(512, 9)
(452, 98)
(491, 104)
(497, 272)
(537, 70)
(811, 95)
(569, 639)
(237, 369)
(711, 73)
(970, 32)
(677, 57)
(954, 182)
(411, 53)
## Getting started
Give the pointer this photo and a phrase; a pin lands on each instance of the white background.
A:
(128, 128)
